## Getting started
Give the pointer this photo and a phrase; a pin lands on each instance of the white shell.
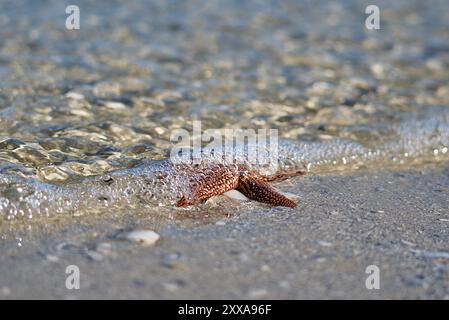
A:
(234, 194)
(145, 237)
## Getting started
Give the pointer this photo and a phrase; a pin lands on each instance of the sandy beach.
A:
(365, 109)
(397, 220)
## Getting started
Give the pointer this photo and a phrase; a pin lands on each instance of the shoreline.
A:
(396, 220)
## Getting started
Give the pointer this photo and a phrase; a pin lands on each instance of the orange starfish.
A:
(222, 178)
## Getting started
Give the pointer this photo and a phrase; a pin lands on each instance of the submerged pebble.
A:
(74, 95)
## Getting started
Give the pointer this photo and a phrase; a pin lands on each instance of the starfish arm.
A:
(256, 189)
(219, 180)
(281, 176)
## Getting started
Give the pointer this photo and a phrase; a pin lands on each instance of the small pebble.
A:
(159, 130)
(74, 95)
(104, 248)
(138, 283)
(171, 260)
(257, 293)
(145, 237)
(95, 256)
(408, 243)
(243, 257)
(5, 291)
(284, 284)
(172, 287)
(52, 258)
(265, 268)
(220, 223)
(115, 105)
(324, 243)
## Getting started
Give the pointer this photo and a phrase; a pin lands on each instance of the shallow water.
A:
(109, 96)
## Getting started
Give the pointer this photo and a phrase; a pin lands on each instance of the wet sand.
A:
(397, 220)
(110, 95)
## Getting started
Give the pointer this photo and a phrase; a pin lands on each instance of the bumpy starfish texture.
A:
(258, 190)
(222, 178)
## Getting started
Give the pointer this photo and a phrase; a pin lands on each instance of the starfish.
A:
(222, 178)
